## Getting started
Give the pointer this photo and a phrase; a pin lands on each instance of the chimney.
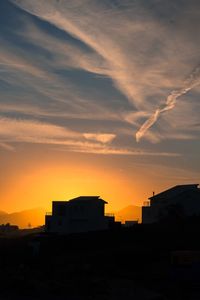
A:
(153, 193)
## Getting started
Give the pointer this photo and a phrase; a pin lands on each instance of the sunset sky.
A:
(97, 97)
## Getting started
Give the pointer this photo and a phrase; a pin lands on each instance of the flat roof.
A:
(88, 198)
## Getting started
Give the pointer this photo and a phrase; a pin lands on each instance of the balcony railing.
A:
(109, 215)
(48, 213)
(106, 215)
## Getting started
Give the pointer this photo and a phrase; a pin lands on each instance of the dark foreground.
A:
(144, 262)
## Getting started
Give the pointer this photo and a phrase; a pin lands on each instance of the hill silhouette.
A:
(129, 213)
(24, 219)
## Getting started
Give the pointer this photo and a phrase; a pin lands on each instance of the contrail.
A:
(192, 81)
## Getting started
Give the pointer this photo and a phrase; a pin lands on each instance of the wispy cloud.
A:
(28, 130)
(100, 137)
(14, 131)
(107, 150)
(141, 54)
(7, 146)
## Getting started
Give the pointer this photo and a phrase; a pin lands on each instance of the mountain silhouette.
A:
(129, 213)
(36, 216)
(24, 219)
(2, 213)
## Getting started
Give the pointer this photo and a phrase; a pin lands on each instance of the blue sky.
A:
(85, 76)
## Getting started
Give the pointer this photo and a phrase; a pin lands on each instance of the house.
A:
(81, 214)
(177, 202)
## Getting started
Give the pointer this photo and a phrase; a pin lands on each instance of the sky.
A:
(97, 98)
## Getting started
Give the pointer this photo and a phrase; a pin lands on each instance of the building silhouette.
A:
(8, 228)
(178, 202)
(81, 214)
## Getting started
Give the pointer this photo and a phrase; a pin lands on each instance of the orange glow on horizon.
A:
(38, 186)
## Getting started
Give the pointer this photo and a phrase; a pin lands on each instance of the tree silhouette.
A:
(29, 225)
